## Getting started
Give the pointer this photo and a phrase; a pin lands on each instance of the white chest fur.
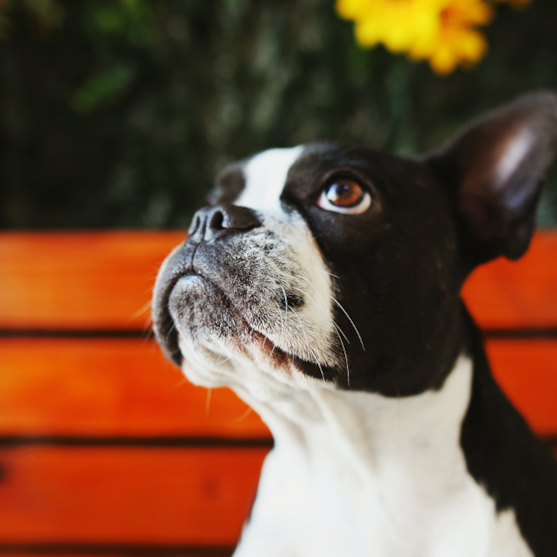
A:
(373, 476)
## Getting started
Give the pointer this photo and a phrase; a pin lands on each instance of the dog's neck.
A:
(354, 469)
(417, 431)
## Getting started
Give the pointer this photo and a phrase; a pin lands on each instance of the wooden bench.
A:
(106, 450)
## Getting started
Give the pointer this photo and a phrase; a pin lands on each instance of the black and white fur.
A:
(346, 333)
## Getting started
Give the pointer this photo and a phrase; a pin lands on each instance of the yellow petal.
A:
(367, 33)
(443, 62)
(352, 9)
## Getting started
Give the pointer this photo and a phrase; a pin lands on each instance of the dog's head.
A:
(339, 265)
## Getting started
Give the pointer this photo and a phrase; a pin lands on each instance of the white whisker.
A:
(324, 313)
(281, 329)
(182, 382)
(305, 241)
(338, 329)
(346, 360)
(220, 362)
(140, 311)
(351, 322)
(340, 306)
(247, 412)
(208, 401)
(313, 286)
(303, 327)
(326, 272)
(320, 368)
(281, 321)
(170, 331)
(310, 351)
(286, 303)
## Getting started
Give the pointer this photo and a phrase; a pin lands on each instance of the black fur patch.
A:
(503, 455)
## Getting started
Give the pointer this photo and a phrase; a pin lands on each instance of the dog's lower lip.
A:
(164, 326)
(271, 349)
(265, 343)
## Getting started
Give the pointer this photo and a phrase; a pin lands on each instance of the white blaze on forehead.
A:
(265, 176)
(312, 326)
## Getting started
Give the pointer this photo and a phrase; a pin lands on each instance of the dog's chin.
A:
(216, 342)
(202, 311)
(212, 331)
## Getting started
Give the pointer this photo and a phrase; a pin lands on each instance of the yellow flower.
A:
(456, 41)
(441, 31)
(395, 23)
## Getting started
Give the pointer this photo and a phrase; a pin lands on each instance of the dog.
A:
(322, 284)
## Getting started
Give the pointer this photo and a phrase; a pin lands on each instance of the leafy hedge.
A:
(118, 113)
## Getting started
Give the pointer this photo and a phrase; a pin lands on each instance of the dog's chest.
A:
(382, 481)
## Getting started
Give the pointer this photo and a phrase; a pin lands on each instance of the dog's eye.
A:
(345, 196)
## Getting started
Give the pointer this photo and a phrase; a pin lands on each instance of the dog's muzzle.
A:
(209, 225)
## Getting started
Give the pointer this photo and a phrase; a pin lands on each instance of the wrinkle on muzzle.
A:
(178, 264)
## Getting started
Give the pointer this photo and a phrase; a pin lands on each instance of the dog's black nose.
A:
(211, 222)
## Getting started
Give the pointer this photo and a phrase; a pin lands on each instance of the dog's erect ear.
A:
(495, 168)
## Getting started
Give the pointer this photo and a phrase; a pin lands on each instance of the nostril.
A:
(211, 222)
(217, 221)
(194, 225)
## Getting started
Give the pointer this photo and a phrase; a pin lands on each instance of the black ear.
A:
(494, 169)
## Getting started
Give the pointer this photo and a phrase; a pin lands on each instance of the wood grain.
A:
(134, 552)
(88, 549)
(104, 280)
(80, 280)
(526, 370)
(95, 550)
(519, 294)
(126, 388)
(110, 387)
(126, 495)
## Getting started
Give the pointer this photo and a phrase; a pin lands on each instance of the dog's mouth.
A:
(246, 299)
(194, 306)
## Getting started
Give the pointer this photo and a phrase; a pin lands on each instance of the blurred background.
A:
(118, 113)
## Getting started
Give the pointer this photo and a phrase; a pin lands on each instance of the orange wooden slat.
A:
(125, 387)
(104, 279)
(126, 550)
(82, 280)
(109, 387)
(522, 293)
(527, 373)
(136, 550)
(135, 496)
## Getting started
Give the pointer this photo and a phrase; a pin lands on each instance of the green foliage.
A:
(103, 88)
(122, 113)
(47, 13)
(132, 21)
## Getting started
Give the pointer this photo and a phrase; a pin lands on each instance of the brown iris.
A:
(344, 193)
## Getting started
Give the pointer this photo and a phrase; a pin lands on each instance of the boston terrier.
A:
(322, 284)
